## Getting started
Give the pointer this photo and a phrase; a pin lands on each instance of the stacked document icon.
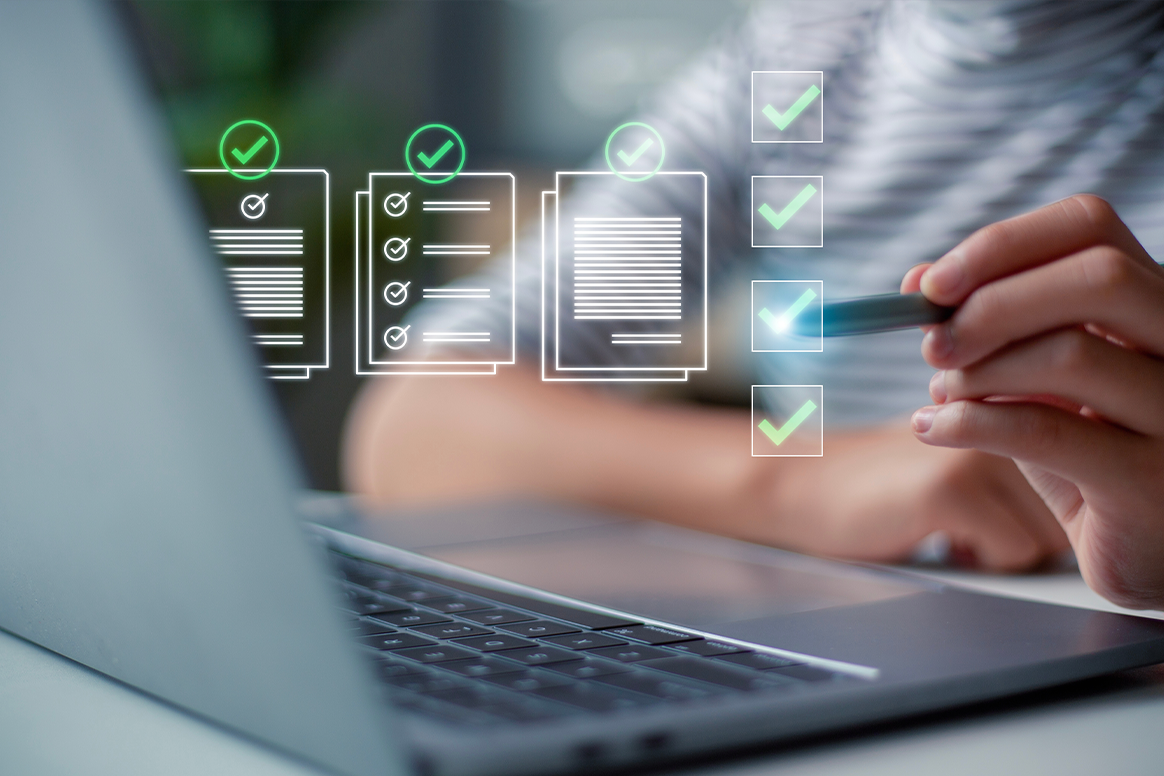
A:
(272, 237)
(625, 295)
(414, 242)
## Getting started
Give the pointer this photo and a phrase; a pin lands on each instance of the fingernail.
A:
(944, 278)
(923, 419)
(939, 341)
(938, 387)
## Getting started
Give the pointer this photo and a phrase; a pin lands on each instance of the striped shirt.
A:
(939, 118)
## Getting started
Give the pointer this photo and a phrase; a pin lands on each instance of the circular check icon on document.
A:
(396, 293)
(396, 337)
(396, 204)
(254, 206)
(396, 248)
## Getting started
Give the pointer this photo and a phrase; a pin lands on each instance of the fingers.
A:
(1067, 444)
(1004, 248)
(1100, 285)
(1123, 386)
(911, 283)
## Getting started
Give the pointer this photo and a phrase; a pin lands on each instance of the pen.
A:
(870, 314)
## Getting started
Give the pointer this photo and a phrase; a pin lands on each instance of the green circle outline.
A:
(662, 153)
(222, 150)
(420, 176)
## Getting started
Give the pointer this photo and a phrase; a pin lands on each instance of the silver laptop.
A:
(149, 527)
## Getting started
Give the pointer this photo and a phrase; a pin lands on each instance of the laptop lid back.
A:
(146, 521)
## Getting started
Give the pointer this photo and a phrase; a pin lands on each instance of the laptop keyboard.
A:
(470, 655)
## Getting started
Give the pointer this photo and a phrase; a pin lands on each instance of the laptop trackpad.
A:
(675, 575)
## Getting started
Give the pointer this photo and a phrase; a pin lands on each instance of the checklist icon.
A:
(787, 421)
(409, 233)
(787, 316)
(787, 106)
(787, 211)
(272, 237)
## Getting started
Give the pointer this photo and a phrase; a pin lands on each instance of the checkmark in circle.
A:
(636, 129)
(253, 206)
(440, 137)
(629, 159)
(437, 155)
(778, 435)
(396, 293)
(253, 142)
(396, 248)
(783, 120)
(245, 156)
(780, 219)
(396, 337)
(396, 204)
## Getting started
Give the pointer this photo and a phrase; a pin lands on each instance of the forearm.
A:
(423, 440)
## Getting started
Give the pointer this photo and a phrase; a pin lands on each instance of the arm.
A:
(1054, 359)
(872, 497)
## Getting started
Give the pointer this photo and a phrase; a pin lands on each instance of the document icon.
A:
(272, 236)
(414, 240)
(625, 296)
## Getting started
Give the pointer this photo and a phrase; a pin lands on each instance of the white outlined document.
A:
(410, 237)
(625, 295)
(273, 238)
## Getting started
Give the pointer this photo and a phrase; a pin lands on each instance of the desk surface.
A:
(57, 717)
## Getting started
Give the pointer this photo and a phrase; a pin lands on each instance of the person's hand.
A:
(878, 493)
(1054, 359)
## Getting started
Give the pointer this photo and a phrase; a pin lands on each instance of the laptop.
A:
(151, 526)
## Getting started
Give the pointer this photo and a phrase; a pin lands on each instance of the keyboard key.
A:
(656, 686)
(390, 668)
(538, 628)
(369, 627)
(593, 697)
(584, 641)
(496, 641)
(436, 654)
(428, 681)
(498, 616)
(415, 592)
(527, 681)
(651, 634)
(571, 614)
(709, 648)
(412, 618)
(451, 630)
(363, 601)
(391, 641)
(758, 660)
(806, 673)
(456, 604)
(631, 653)
(588, 668)
(713, 673)
(482, 665)
(536, 656)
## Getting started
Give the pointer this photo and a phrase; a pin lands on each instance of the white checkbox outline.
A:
(790, 72)
(756, 317)
(820, 191)
(755, 425)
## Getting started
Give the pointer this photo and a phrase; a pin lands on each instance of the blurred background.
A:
(533, 86)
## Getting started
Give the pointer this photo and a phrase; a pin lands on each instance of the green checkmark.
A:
(629, 159)
(780, 323)
(243, 158)
(779, 219)
(778, 435)
(782, 121)
(429, 161)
